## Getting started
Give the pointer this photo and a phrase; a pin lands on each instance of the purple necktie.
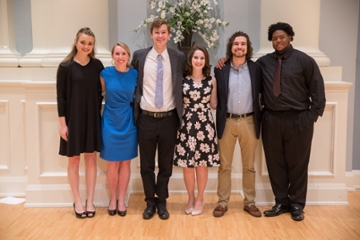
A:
(159, 83)
(276, 85)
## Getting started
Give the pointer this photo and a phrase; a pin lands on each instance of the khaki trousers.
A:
(243, 130)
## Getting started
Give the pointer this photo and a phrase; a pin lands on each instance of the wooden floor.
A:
(321, 222)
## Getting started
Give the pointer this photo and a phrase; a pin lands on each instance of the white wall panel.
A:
(13, 174)
(51, 163)
(4, 136)
(322, 154)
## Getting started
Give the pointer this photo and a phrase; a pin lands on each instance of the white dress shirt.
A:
(149, 83)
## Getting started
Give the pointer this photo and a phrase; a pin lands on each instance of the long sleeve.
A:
(316, 89)
(61, 79)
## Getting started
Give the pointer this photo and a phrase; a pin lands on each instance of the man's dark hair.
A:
(231, 42)
(280, 26)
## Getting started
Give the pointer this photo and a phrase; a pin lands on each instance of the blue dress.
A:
(118, 131)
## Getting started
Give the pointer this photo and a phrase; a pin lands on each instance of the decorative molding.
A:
(320, 58)
(14, 179)
(13, 186)
(4, 167)
(5, 136)
(23, 104)
(40, 87)
(9, 59)
(59, 195)
(329, 115)
(353, 180)
(11, 83)
(337, 87)
(43, 135)
(318, 193)
(64, 174)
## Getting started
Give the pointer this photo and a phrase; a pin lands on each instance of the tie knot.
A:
(159, 57)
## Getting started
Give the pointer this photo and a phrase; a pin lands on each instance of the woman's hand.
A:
(63, 131)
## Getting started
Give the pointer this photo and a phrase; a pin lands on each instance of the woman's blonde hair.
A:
(125, 47)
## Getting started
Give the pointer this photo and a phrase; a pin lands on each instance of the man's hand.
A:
(221, 63)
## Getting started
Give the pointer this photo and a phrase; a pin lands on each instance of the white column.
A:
(8, 56)
(303, 16)
(54, 27)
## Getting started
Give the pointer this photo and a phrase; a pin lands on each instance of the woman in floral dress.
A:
(196, 146)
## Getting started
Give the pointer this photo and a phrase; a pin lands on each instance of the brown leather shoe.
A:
(219, 211)
(253, 210)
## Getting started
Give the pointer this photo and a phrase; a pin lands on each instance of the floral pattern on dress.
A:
(196, 143)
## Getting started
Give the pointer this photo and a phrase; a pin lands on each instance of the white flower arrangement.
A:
(187, 16)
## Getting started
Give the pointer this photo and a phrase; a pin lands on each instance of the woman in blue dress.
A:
(118, 131)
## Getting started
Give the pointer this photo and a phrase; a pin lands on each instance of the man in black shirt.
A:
(293, 98)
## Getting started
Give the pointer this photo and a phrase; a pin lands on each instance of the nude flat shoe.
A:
(199, 211)
(189, 210)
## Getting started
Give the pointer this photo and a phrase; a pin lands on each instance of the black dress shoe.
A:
(149, 212)
(297, 214)
(277, 210)
(163, 212)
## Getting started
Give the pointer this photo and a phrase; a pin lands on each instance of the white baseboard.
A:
(13, 186)
(318, 193)
(353, 180)
(59, 195)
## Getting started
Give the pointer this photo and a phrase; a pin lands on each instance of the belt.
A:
(231, 115)
(157, 114)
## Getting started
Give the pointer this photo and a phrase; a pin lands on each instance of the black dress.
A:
(79, 101)
(196, 143)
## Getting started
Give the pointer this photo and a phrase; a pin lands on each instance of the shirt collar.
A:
(153, 53)
(286, 54)
(243, 67)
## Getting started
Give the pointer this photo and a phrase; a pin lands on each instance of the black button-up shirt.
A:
(301, 83)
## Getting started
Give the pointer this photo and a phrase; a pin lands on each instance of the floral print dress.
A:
(196, 143)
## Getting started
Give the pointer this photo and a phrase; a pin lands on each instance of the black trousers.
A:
(287, 140)
(156, 134)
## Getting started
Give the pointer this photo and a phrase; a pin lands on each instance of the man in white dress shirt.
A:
(158, 109)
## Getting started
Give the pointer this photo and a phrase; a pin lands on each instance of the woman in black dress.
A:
(79, 102)
(196, 145)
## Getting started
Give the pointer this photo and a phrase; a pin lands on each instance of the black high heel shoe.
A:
(89, 214)
(121, 213)
(79, 215)
(113, 212)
